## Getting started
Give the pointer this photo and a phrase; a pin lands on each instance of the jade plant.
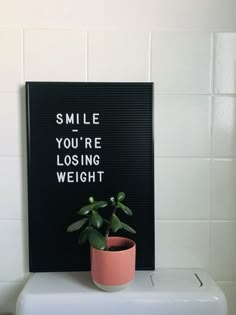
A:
(94, 228)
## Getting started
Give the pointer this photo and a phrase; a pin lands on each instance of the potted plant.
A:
(112, 258)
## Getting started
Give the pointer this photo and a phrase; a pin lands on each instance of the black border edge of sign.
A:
(28, 127)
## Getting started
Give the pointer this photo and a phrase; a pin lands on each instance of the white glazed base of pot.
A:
(112, 288)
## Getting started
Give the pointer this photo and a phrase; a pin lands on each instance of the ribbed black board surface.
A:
(126, 158)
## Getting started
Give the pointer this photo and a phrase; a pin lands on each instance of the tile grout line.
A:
(195, 220)
(195, 157)
(86, 56)
(22, 219)
(158, 94)
(156, 157)
(210, 183)
(12, 155)
(149, 55)
(175, 220)
(212, 62)
(211, 144)
(226, 281)
(23, 54)
(12, 282)
(212, 73)
(183, 157)
(198, 94)
(22, 57)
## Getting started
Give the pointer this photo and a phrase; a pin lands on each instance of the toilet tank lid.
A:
(159, 281)
(180, 280)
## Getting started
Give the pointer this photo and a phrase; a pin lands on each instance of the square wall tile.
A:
(181, 62)
(182, 244)
(11, 112)
(224, 189)
(9, 293)
(118, 56)
(182, 125)
(11, 65)
(182, 188)
(225, 63)
(55, 55)
(229, 289)
(11, 201)
(223, 251)
(224, 127)
(12, 250)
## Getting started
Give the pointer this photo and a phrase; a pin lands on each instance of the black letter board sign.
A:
(87, 139)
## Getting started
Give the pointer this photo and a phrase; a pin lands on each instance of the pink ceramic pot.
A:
(114, 270)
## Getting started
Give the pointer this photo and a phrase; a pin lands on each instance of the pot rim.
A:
(132, 242)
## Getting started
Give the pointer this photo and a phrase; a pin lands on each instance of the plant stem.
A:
(109, 227)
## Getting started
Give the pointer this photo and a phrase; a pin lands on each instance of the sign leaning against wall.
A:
(87, 139)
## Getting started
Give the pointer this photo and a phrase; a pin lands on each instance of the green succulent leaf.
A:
(112, 199)
(85, 210)
(115, 223)
(76, 225)
(124, 208)
(128, 228)
(100, 204)
(83, 237)
(121, 196)
(91, 199)
(106, 221)
(96, 220)
(96, 239)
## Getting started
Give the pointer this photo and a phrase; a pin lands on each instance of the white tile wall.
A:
(62, 55)
(182, 188)
(222, 250)
(229, 289)
(12, 250)
(11, 189)
(224, 126)
(225, 63)
(182, 244)
(194, 137)
(181, 62)
(10, 59)
(118, 56)
(8, 295)
(224, 189)
(10, 124)
(182, 125)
